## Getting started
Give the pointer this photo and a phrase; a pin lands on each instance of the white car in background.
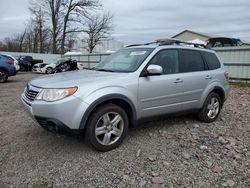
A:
(16, 63)
(47, 68)
(41, 67)
(81, 66)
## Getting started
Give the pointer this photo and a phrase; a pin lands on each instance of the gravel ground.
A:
(176, 152)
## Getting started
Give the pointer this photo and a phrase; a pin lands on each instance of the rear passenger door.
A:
(195, 76)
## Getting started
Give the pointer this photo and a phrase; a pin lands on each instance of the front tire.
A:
(211, 108)
(49, 70)
(3, 76)
(107, 127)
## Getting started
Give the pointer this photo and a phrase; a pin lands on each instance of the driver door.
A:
(161, 94)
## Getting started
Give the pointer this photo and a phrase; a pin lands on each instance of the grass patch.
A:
(239, 84)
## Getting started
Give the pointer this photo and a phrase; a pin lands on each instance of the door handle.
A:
(208, 77)
(178, 80)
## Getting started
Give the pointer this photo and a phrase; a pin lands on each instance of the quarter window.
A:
(211, 60)
(191, 61)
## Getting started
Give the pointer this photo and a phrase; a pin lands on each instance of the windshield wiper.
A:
(104, 70)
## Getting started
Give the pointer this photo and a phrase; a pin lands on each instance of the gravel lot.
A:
(176, 152)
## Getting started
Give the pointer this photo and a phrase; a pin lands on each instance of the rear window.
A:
(211, 60)
(8, 57)
(191, 61)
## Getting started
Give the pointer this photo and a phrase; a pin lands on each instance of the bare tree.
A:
(54, 25)
(40, 29)
(55, 12)
(14, 43)
(48, 14)
(21, 40)
(97, 29)
(74, 11)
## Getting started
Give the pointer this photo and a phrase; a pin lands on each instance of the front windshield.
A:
(125, 60)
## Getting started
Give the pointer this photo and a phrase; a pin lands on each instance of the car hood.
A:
(76, 78)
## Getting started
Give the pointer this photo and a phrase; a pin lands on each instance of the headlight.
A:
(51, 95)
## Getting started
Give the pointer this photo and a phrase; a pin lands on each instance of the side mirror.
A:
(154, 70)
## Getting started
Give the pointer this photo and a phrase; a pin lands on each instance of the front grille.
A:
(30, 94)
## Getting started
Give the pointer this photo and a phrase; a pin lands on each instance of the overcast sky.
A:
(146, 20)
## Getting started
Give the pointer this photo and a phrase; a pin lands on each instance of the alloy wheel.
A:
(213, 108)
(109, 128)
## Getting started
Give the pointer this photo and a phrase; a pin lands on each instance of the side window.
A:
(168, 60)
(191, 61)
(211, 60)
(218, 44)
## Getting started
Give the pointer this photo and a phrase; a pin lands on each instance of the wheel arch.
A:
(5, 70)
(117, 99)
(216, 89)
(220, 92)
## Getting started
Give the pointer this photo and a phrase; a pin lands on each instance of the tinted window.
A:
(211, 60)
(168, 60)
(28, 57)
(191, 61)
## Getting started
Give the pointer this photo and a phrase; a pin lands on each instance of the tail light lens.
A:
(226, 74)
(10, 62)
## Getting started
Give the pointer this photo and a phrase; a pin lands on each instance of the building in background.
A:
(207, 39)
(188, 35)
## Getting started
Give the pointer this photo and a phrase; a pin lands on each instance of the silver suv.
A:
(136, 83)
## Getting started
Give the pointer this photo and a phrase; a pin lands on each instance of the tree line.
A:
(55, 24)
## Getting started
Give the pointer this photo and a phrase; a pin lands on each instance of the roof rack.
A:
(172, 41)
(131, 45)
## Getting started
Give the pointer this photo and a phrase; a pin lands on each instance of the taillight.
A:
(226, 74)
(10, 62)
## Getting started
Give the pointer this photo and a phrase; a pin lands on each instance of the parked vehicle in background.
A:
(80, 66)
(41, 67)
(7, 68)
(24, 65)
(137, 83)
(69, 65)
(16, 63)
(223, 42)
(61, 65)
(31, 60)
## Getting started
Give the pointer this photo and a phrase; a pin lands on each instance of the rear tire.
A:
(3, 76)
(107, 127)
(211, 108)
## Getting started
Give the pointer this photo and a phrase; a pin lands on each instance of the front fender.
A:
(108, 93)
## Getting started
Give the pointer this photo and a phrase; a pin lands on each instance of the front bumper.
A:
(37, 70)
(226, 91)
(53, 125)
(63, 114)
